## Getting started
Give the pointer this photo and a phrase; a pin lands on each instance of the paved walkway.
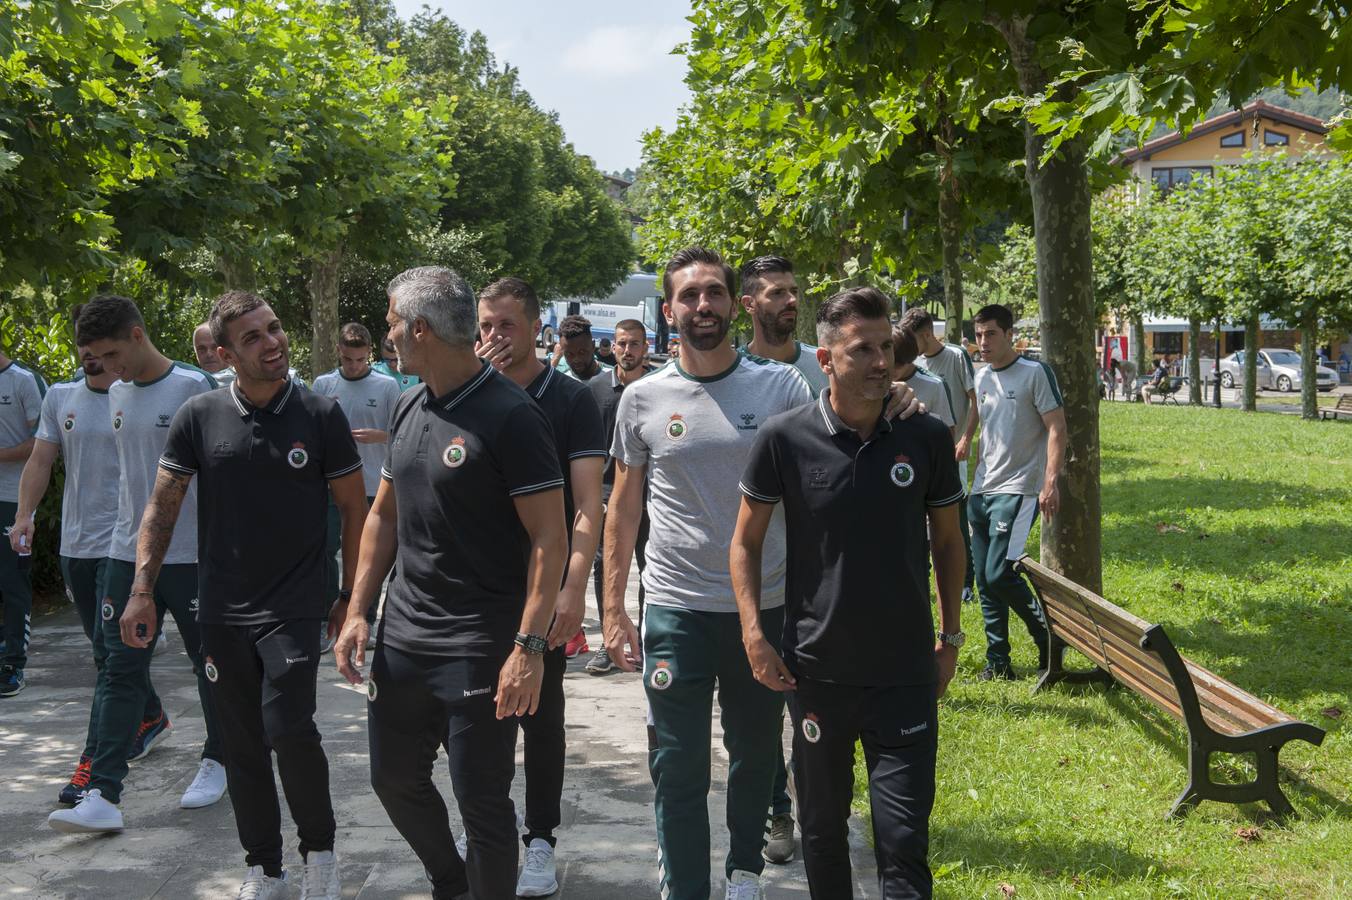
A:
(606, 845)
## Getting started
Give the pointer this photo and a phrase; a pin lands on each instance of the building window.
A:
(1233, 140)
(1170, 342)
(1275, 138)
(1169, 178)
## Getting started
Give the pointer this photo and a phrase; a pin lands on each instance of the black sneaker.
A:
(779, 842)
(75, 791)
(150, 733)
(11, 681)
(990, 673)
(600, 663)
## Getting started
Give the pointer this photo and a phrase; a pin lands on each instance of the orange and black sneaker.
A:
(74, 792)
(148, 735)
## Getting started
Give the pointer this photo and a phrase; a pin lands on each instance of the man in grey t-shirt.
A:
(1023, 442)
(770, 297)
(20, 404)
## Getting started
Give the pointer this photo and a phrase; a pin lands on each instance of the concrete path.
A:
(607, 847)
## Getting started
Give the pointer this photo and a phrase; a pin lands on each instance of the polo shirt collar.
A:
(833, 423)
(247, 409)
(457, 396)
(542, 382)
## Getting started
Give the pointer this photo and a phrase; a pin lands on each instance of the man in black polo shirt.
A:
(509, 319)
(860, 657)
(471, 506)
(631, 364)
(266, 453)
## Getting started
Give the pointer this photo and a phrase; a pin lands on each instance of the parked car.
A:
(1278, 369)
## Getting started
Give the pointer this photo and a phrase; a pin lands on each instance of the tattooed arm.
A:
(152, 543)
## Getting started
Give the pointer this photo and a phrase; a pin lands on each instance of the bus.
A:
(638, 297)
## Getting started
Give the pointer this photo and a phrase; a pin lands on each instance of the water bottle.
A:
(25, 554)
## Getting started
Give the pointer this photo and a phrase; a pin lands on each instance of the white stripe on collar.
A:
(544, 385)
(484, 374)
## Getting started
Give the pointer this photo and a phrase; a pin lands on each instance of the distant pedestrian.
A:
(604, 354)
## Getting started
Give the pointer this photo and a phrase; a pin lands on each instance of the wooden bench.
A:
(1344, 408)
(1219, 717)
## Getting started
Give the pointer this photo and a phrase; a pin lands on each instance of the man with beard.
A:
(389, 365)
(471, 508)
(860, 661)
(21, 393)
(687, 429)
(770, 296)
(509, 319)
(631, 347)
(149, 391)
(263, 444)
(76, 424)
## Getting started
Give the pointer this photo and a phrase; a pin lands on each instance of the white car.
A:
(1278, 369)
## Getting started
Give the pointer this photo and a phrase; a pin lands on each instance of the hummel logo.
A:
(478, 691)
(4, 400)
(818, 477)
(222, 448)
(371, 401)
(163, 421)
(298, 659)
(747, 419)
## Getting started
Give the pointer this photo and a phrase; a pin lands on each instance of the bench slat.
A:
(1254, 710)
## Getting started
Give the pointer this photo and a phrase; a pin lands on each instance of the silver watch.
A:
(954, 640)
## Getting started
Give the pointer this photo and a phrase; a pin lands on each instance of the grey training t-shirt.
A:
(75, 418)
(806, 363)
(368, 402)
(694, 435)
(21, 392)
(1013, 447)
(141, 414)
(931, 390)
(954, 366)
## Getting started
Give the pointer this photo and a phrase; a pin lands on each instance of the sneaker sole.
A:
(777, 860)
(538, 892)
(65, 827)
(13, 692)
(597, 670)
(184, 803)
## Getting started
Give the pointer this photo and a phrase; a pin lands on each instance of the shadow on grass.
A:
(1076, 716)
(996, 844)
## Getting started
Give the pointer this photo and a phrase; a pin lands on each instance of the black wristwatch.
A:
(531, 643)
(344, 596)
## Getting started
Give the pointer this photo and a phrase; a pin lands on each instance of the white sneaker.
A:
(320, 878)
(161, 645)
(206, 788)
(744, 886)
(539, 878)
(258, 886)
(92, 815)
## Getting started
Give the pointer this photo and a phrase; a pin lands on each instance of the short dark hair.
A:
(755, 271)
(854, 303)
(354, 335)
(107, 317)
(996, 313)
(630, 325)
(604, 342)
(905, 348)
(918, 318)
(574, 326)
(229, 307)
(517, 288)
(691, 256)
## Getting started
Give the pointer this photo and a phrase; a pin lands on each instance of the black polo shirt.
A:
(455, 463)
(606, 389)
(575, 420)
(857, 607)
(262, 499)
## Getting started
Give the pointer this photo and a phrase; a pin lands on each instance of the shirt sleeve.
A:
(340, 449)
(586, 431)
(968, 372)
(387, 469)
(180, 449)
(945, 486)
(761, 479)
(30, 398)
(629, 446)
(1046, 392)
(525, 448)
(950, 415)
(49, 429)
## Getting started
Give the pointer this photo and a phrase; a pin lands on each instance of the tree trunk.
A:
(1309, 385)
(1072, 538)
(1251, 363)
(1139, 354)
(1194, 360)
(950, 233)
(323, 287)
(237, 271)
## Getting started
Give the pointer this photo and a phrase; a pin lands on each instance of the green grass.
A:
(1064, 794)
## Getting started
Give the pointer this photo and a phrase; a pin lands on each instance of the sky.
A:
(603, 65)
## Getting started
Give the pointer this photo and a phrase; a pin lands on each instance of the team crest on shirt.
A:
(298, 457)
(812, 729)
(454, 454)
(676, 427)
(117, 421)
(371, 689)
(662, 676)
(211, 671)
(903, 473)
(108, 611)
(69, 424)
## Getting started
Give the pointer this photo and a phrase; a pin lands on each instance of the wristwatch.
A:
(954, 640)
(531, 643)
(344, 596)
